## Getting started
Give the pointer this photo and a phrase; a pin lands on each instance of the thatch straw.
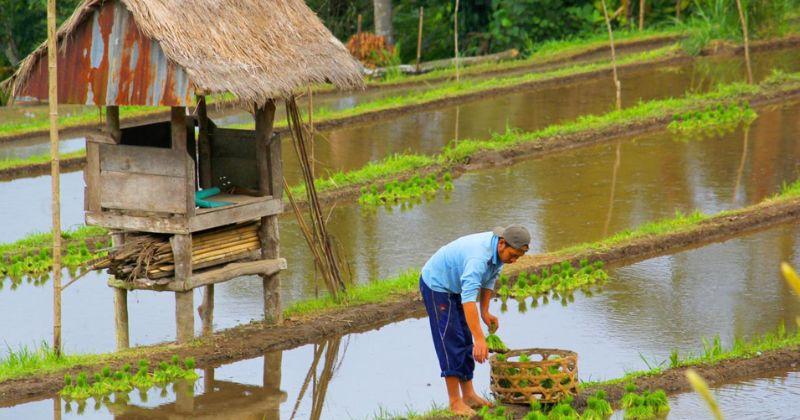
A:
(254, 49)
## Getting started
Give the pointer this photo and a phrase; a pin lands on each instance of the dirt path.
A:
(255, 339)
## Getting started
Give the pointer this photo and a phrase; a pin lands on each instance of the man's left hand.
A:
(491, 321)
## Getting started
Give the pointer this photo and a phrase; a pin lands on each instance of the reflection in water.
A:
(746, 138)
(775, 397)
(613, 188)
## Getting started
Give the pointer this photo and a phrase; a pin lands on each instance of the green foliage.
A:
(719, 20)
(10, 163)
(713, 120)
(523, 24)
(410, 190)
(107, 382)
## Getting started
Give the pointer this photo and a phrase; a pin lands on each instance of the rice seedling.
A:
(597, 407)
(647, 405)
(107, 382)
(560, 279)
(495, 344)
(404, 192)
(712, 121)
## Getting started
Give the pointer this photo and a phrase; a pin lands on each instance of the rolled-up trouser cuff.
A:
(460, 375)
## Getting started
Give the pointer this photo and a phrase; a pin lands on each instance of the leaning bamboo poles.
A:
(151, 257)
(315, 233)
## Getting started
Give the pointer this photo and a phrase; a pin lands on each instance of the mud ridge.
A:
(253, 340)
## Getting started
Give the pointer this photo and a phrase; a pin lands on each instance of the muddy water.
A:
(563, 199)
(776, 396)
(648, 309)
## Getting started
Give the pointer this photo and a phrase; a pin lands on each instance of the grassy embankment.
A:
(552, 51)
(25, 362)
(397, 166)
(445, 91)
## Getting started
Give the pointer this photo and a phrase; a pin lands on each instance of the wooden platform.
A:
(204, 277)
(244, 208)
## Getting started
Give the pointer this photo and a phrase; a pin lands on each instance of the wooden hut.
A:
(143, 179)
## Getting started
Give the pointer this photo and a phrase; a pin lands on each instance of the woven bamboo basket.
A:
(550, 376)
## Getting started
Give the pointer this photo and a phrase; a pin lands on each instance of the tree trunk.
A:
(383, 19)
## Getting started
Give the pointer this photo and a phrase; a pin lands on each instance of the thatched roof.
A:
(254, 49)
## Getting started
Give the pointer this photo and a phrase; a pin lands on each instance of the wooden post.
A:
(184, 301)
(207, 310)
(112, 123)
(270, 183)
(204, 144)
(746, 42)
(617, 84)
(358, 26)
(641, 15)
(55, 181)
(208, 380)
(272, 381)
(419, 39)
(178, 120)
(678, 9)
(455, 39)
(120, 304)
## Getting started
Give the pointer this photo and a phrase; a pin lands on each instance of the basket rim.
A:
(517, 352)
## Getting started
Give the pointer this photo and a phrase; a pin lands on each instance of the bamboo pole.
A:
(54, 170)
(311, 127)
(419, 39)
(641, 15)
(678, 9)
(455, 39)
(617, 84)
(743, 21)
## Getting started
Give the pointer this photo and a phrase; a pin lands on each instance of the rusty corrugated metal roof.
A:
(109, 61)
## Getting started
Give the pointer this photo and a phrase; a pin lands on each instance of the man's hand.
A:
(479, 350)
(491, 321)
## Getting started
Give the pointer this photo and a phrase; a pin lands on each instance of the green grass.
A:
(713, 353)
(374, 292)
(26, 361)
(12, 163)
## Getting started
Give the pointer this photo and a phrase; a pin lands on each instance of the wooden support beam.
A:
(207, 310)
(91, 177)
(121, 304)
(184, 301)
(270, 249)
(178, 127)
(264, 116)
(112, 123)
(184, 316)
(204, 144)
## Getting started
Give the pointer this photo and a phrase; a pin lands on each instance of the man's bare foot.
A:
(476, 401)
(461, 408)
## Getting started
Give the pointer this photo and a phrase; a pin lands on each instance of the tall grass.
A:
(37, 360)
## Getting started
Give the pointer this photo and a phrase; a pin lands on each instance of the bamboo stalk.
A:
(743, 21)
(641, 15)
(617, 84)
(52, 70)
(455, 39)
(419, 39)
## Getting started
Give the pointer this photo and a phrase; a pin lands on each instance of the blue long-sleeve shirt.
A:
(464, 266)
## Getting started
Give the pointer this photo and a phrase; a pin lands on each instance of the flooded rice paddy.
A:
(563, 199)
(647, 310)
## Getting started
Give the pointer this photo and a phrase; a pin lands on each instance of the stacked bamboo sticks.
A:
(315, 233)
(150, 256)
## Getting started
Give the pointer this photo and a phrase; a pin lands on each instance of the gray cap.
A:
(516, 236)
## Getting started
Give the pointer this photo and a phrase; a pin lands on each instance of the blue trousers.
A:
(451, 336)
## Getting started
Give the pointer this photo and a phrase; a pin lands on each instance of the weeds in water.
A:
(713, 120)
(108, 382)
(410, 190)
